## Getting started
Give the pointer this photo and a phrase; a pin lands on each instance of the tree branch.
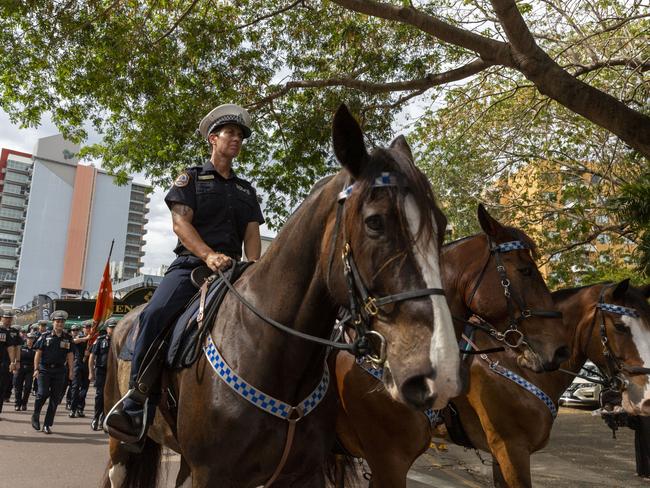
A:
(495, 52)
(269, 15)
(632, 63)
(420, 84)
(177, 22)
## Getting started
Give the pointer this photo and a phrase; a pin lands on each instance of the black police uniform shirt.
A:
(100, 350)
(8, 338)
(79, 350)
(222, 207)
(27, 357)
(54, 349)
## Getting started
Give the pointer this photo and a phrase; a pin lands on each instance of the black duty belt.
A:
(236, 257)
(52, 365)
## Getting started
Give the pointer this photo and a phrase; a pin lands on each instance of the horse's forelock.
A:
(382, 160)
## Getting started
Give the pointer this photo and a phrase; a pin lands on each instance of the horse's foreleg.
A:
(512, 466)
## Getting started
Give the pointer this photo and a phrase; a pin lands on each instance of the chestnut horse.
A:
(608, 324)
(390, 435)
(386, 225)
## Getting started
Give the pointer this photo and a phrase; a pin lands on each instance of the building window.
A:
(604, 239)
(7, 251)
(7, 263)
(6, 225)
(13, 201)
(8, 237)
(18, 165)
(16, 177)
(15, 189)
(11, 213)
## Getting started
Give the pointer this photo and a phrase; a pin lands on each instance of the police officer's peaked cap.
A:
(59, 315)
(87, 323)
(7, 314)
(42, 322)
(226, 114)
(32, 335)
(75, 327)
(111, 322)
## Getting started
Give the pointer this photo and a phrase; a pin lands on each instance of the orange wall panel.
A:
(74, 262)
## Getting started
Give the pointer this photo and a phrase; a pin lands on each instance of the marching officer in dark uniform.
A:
(9, 353)
(24, 375)
(80, 374)
(213, 211)
(53, 352)
(97, 365)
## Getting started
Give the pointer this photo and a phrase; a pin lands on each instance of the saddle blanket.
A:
(182, 336)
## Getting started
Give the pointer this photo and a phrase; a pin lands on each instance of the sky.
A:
(160, 238)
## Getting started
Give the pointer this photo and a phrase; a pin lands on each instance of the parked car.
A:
(582, 392)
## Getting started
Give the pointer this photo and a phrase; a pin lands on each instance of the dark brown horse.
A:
(390, 226)
(501, 418)
(390, 435)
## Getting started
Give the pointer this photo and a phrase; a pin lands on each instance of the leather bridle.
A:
(512, 337)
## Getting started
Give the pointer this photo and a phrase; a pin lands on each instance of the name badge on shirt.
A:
(206, 177)
(64, 345)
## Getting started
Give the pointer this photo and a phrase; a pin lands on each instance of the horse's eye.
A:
(621, 328)
(526, 271)
(375, 223)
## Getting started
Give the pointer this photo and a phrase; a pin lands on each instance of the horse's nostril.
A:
(419, 390)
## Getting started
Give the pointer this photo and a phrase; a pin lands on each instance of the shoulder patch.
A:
(182, 179)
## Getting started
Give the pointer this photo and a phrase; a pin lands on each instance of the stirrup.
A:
(125, 438)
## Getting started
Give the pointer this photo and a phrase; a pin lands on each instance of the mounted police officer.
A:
(53, 353)
(213, 211)
(97, 364)
(80, 373)
(23, 377)
(9, 353)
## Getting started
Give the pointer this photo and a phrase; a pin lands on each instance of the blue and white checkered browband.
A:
(378, 374)
(526, 385)
(618, 309)
(509, 246)
(253, 395)
(385, 179)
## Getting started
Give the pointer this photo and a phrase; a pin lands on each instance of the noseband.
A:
(512, 337)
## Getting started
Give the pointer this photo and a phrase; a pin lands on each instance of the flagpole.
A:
(111, 251)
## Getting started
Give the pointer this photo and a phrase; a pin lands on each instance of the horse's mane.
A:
(515, 233)
(565, 293)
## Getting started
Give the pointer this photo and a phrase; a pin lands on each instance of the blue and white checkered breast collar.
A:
(261, 400)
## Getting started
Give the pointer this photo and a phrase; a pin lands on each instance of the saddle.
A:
(181, 341)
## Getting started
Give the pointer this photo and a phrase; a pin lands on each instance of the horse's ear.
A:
(347, 139)
(489, 224)
(621, 288)
(400, 144)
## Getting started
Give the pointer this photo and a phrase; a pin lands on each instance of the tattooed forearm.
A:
(182, 211)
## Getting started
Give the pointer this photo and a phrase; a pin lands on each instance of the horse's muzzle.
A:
(419, 390)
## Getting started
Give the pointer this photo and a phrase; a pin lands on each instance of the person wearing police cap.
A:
(42, 327)
(97, 363)
(9, 353)
(23, 377)
(53, 353)
(80, 382)
(213, 211)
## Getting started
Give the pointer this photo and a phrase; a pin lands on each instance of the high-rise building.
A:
(57, 221)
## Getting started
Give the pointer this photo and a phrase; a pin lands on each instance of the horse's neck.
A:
(287, 286)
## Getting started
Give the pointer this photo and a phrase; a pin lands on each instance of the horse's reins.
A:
(512, 337)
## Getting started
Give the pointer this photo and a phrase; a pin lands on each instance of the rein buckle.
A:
(371, 306)
(513, 338)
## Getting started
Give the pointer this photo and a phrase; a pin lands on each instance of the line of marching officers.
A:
(53, 359)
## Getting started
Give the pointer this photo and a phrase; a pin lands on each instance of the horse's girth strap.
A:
(293, 418)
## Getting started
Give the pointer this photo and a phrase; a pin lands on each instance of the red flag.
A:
(103, 303)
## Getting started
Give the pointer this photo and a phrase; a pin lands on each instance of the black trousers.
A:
(6, 381)
(50, 386)
(100, 381)
(79, 387)
(23, 385)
